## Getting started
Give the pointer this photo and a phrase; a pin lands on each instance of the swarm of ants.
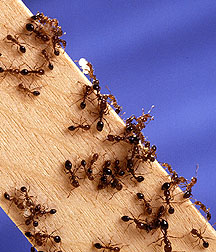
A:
(113, 173)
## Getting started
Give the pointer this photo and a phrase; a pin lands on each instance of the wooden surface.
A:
(35, 142)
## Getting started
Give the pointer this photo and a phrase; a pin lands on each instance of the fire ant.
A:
(89, 170)
(203, 207)
(88, 69)
(109, 247)
(165, 187)
(73, 177)
(131, 170)
(39, 33)
(46, 56)
(80, 126)
(38, 71)
(15, 41)
(113, 102)
(187, 193)
(87, 90)
(139, 224)
(27, 90)
(194, 232)
(147, 206)
(40, 238)
(168, 246)
(103, 110)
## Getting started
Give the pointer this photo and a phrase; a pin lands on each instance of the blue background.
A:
(149, 52)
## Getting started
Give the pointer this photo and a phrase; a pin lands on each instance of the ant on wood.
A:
(109, 246)
(28, 91)
(73, 177)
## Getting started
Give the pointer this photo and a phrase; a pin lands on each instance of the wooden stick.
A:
(35, 142)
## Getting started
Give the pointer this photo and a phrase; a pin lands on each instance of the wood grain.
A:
(34, 145)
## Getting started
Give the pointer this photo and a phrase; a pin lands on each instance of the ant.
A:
(27, 90)
(80, 126)
(35, 71)
(194, 232)
(187, 193)
(38, 33)
(131, 170)
(89, 170)
(46, 56)
(113, 102)
(16, 42)
(104, 182)
(108, 247)
(40, 238)
(113, 138)
(147, 206)
(56, 41)
(168, 246)
(36, 212)
(203, 207)
(10, 70)
(103, 110)
(89, 70)
(165, 187)
(87, 90)
(139, 224)
(73, 177)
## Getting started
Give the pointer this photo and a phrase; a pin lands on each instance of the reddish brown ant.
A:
(147, 206)
(113, 102)
(28, 91)
(39, 32)
(187, 193)
(88, 169)
(109, 247)
(168, 245)
(73, 177)
(194, 232)
(79, 126)
(204, 208)
(15, 41)
(87, 91)
(40, 238)
(139, 224)
(47, 58)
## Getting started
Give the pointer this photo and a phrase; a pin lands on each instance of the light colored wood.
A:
(34, 145)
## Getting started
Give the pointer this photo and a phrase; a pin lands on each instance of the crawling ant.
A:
(87, 90)
(165, 187)
(73, 177)
(88, 169)
(147, 206)
(27, 90)
(168, 246)
(194, 232)
(14, 71)
(188, 192)
(57, 42)
(80, 126)
(109, 247)
(89, 70)
(131, 170)
(38, 33)
(46, 56)
(139, 224)
(204, 208)
(16, 42)
(40, 238)
(113, 102)
(39, 71)
(103, 110)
